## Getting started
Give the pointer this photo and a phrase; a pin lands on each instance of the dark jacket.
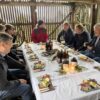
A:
(67, 35)
(14, 38)
(79, 40)
(4, 83)
(96, 49)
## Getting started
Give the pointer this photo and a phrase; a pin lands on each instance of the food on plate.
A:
(83, 57)
(29, 51)
(49, 53)
(45, 83)
(33, 57)
(39, 65)
(89, 85)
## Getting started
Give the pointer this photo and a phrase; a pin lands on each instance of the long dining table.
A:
(67, 87)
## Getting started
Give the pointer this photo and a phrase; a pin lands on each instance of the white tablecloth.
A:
(66, 86)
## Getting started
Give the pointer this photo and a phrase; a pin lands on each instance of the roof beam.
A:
(32, 3)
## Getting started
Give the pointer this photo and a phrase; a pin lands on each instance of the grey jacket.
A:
(4, 83)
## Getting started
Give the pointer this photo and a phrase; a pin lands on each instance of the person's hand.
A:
(89, 47)
(22, 81)
(85, 44)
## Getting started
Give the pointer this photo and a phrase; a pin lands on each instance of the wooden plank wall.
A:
(22, 17)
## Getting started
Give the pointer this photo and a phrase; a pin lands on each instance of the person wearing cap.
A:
(39, 34)
(66, 34)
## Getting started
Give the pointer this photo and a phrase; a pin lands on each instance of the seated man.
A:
(14, 65)
(13, 57)
(10, 88)
(81, 37)
(67, 35)
(39, 34)
(93, 48)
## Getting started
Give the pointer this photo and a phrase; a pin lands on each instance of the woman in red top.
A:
(39, 34)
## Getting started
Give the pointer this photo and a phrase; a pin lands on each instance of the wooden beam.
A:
(73, 14)
(33, 14)
(94, 17)
(31, 3)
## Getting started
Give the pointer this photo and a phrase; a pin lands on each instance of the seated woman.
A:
(66, 34)
(39, 34)
(81, 37)
(93, 47)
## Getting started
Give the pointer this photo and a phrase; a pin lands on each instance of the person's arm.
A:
(12, 61)
(91, 44)
(3, 77)
(59, 36)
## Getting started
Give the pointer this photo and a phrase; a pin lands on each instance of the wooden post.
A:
(72, 15)
(33, 14)
(94, 17)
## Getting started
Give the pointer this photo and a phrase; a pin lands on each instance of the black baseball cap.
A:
(40, 22)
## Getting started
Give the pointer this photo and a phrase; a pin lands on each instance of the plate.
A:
(85, 58)
(89, 85)
(33, 57)
(39, 66)
(97, 68)
(49, 53)
(45, 83)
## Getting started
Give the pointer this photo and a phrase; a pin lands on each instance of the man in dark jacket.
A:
(93, 48)
(13, 57)
(10, 88)
(80, 37)
(67, 35)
